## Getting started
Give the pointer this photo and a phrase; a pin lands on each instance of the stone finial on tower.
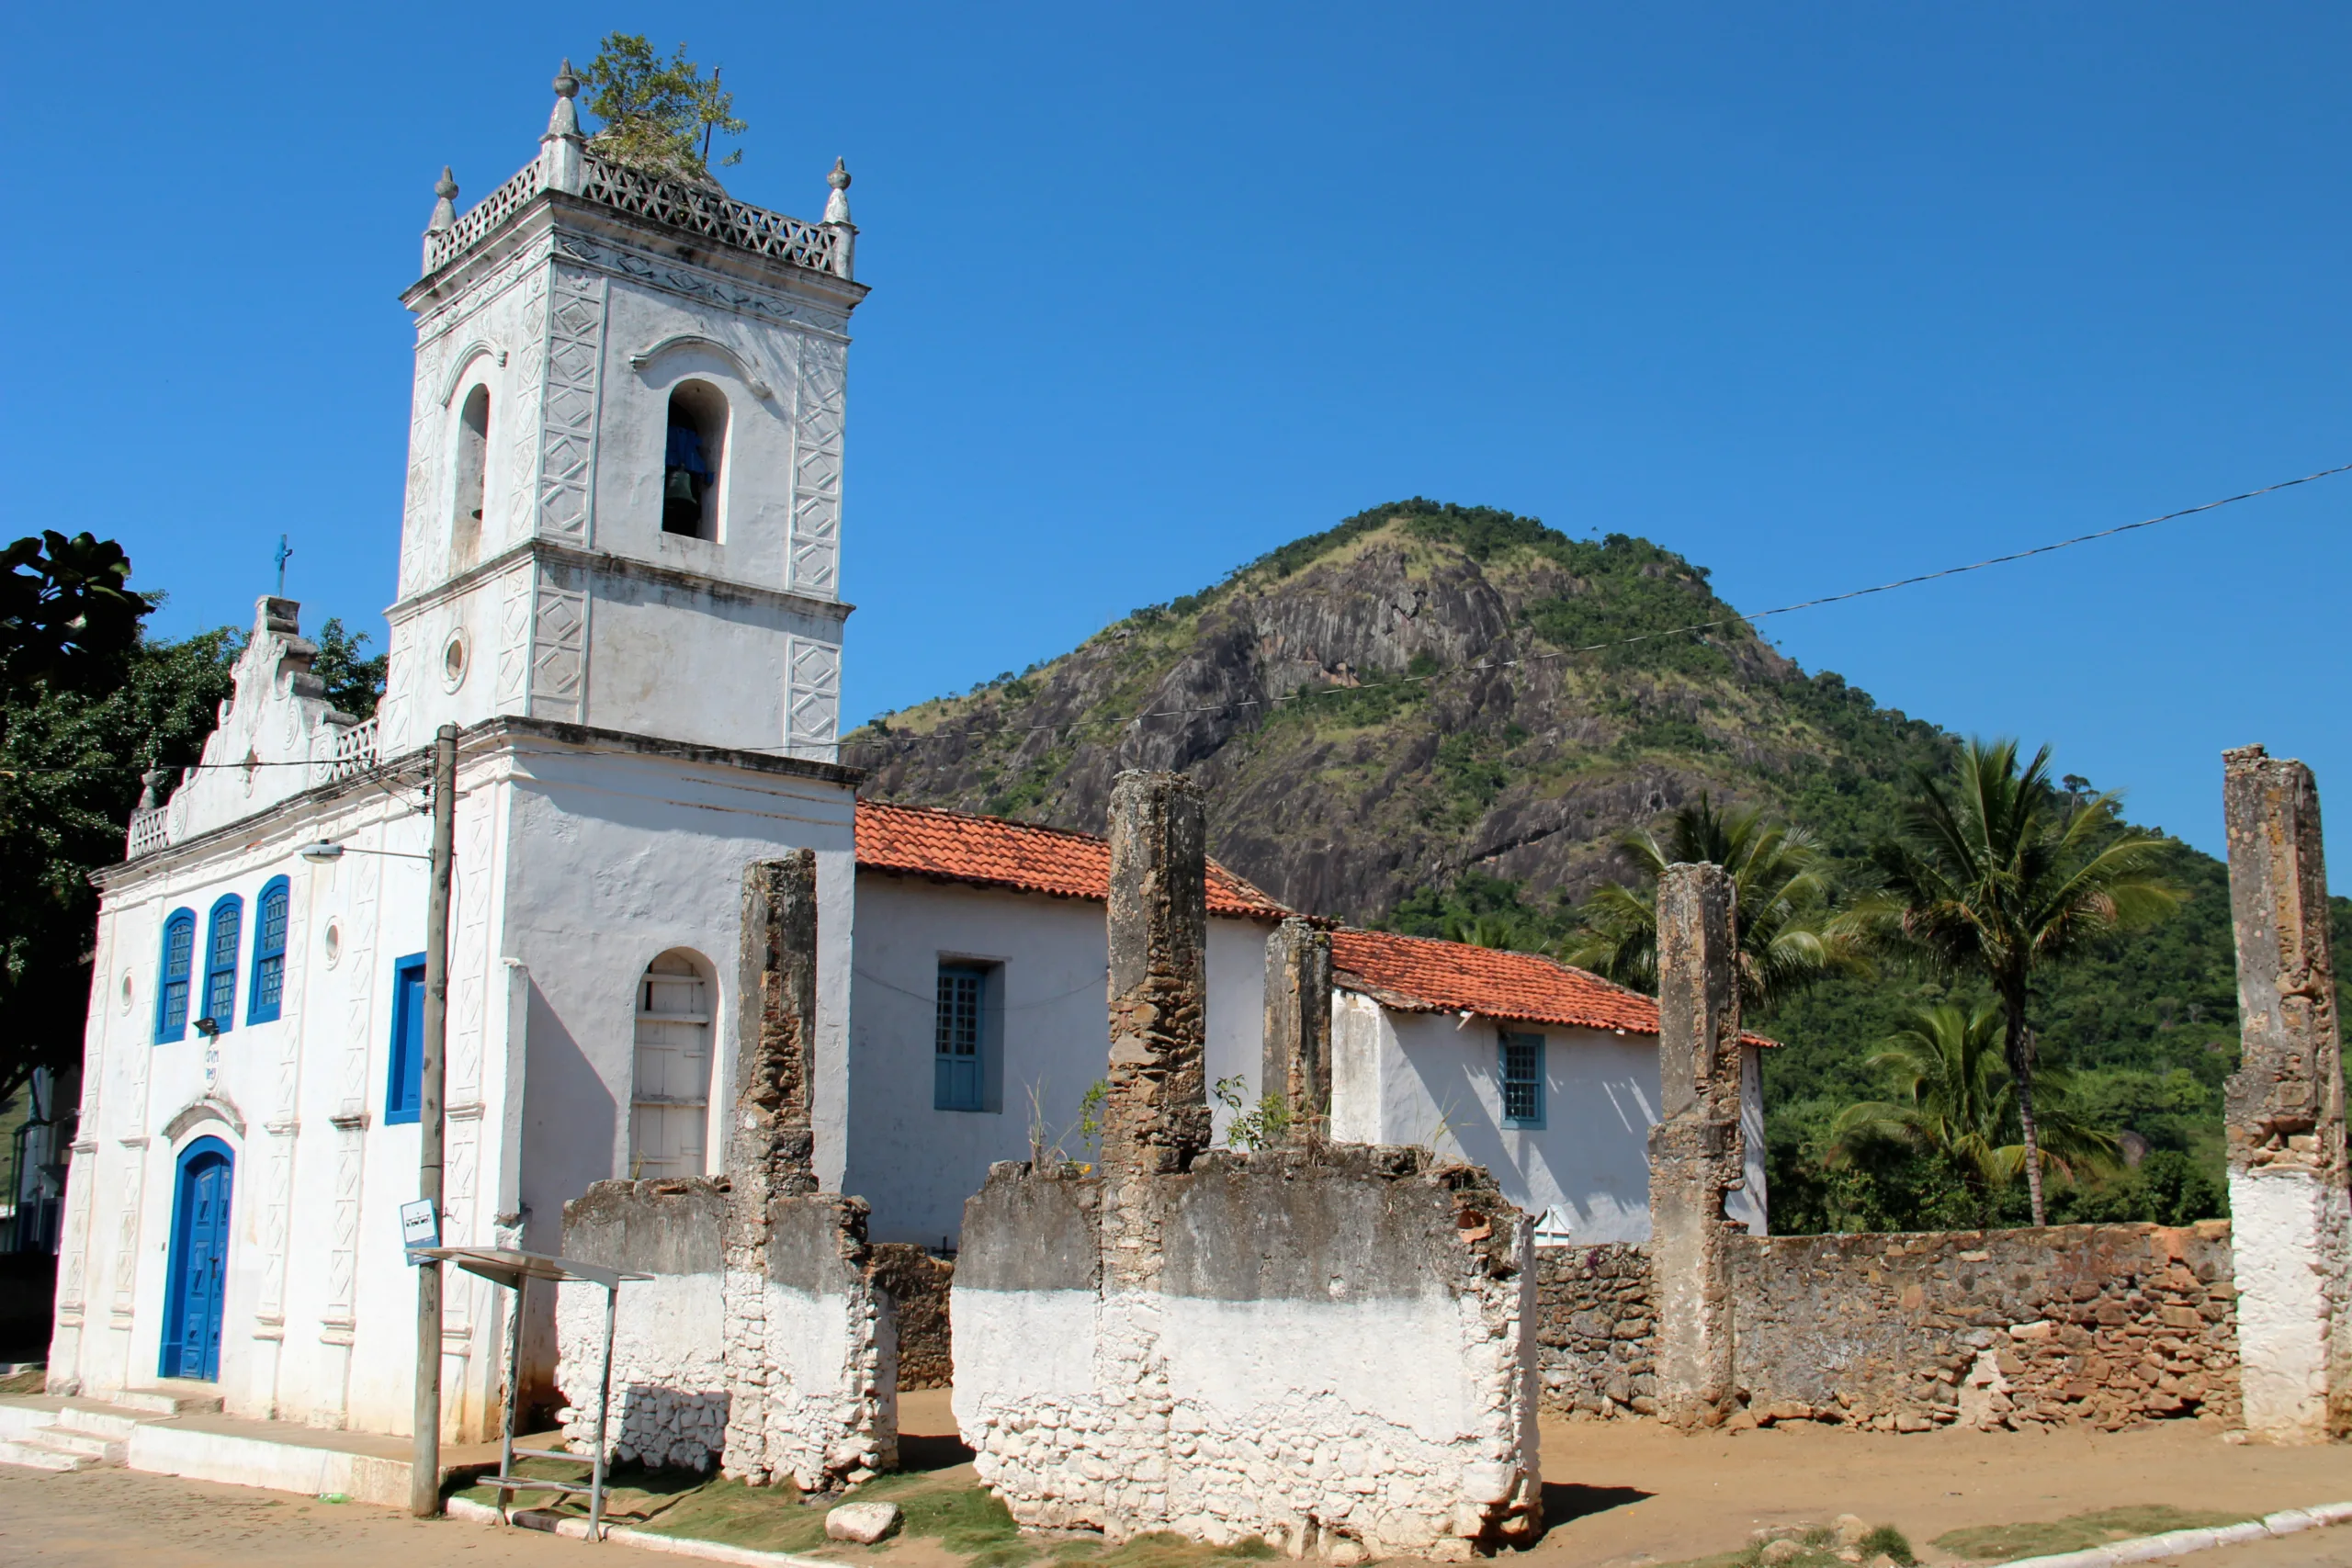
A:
(837, 204)
(445, 207)
(837, 219)
(565, 119)
(444, 211)
(562, 149)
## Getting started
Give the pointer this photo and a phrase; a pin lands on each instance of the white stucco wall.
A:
(1433, 1079)
(575, 868)
(2291, 1239)
(916, 1164)
(669, 1372)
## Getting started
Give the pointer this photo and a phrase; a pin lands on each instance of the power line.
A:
(1692, 629)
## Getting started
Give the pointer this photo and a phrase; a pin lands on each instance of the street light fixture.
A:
(326, 852)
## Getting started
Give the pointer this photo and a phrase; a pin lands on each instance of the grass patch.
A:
(1999, 1543)
(1817, 1548)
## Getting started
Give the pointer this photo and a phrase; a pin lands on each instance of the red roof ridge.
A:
(1433, 974)
(1029, 857)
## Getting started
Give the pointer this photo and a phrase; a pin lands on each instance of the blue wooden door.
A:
(194, 1299)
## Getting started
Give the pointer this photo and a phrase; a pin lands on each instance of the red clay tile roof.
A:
(1421, 974)
(916, 841)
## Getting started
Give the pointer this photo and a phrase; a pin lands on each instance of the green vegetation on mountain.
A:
(1443, 719)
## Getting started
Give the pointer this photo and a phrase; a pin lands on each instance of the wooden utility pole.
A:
(424, 1461)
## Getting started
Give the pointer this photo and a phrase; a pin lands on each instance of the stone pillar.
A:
(1695, 1154)
(771, 1142)
(2291, 1223)
(1157, 1117)
(1297, 1063)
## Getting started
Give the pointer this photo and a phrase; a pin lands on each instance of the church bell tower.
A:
(625, 459)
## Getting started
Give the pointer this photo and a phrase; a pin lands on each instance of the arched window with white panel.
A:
(670, 1102)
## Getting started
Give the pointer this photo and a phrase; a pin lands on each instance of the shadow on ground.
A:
(1564, 1501)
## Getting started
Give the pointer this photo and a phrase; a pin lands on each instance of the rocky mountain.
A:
(1413, 697)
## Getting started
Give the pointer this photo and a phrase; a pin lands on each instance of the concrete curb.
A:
(2179, 1543)
(708, 1550)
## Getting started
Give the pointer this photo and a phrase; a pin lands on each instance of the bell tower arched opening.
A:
(690, 468)
(472, 468)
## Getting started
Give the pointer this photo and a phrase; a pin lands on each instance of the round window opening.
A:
(128, 991)
(453, 662)
(333, 943)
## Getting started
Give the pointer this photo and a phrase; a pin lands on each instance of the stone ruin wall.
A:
(2108, 1325)
(823, 1409)
(918, 1280)
(1334, 1355)
(669, 1390)
(1595, 1323)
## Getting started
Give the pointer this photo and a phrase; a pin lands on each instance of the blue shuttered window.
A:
(1523, 1080)
(956, 1081)
(171, 982)
(269, 952)
(221, 940)
(404, 1085)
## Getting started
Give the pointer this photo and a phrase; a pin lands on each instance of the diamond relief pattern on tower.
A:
(560, 655)
(816, 470)
(812, 698)
(512, 691)
(568, 418)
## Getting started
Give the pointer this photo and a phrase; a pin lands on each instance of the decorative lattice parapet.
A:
(1696, 1156)
(2283, 1109)
(1337, 1355)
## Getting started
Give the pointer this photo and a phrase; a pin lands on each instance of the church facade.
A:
(619, 579)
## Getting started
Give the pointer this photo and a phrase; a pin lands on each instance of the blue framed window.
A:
(405, 1085)
(221, 938)
(269, 952)
(958, 1077)
(1523, 1079)
(171, 985)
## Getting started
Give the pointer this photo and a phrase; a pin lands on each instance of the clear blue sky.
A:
(1817, 295)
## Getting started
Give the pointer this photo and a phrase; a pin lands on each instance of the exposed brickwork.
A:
(1296, 1064)
(1593, 1330)
(917, 1285)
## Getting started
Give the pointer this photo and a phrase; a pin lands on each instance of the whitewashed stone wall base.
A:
(2293, 1235)
(669, 1401)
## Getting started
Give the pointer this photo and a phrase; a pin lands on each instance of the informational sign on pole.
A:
(419, 1227)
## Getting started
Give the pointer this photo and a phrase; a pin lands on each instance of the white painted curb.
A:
(2179, 1543)
(708, 1550)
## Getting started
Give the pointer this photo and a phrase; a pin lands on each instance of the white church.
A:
(621, 575)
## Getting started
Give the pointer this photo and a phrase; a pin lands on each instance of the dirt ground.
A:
(1619, 1495)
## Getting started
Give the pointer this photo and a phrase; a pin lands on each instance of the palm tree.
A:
(1789, 933)
(1960, 1101)
(1994, 874)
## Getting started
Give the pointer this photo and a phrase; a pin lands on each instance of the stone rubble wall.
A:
(818, 1331)
(1595, 1322)
(1334, 1355)
(918, 1281)
(2109, 1325)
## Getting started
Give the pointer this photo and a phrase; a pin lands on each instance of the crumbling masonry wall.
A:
(764, 1343)
(2284, 1109)
(2109, 1325)
(1327, 1346)
(1338, 1358)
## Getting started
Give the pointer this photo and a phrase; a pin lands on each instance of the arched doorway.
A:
(194, 1299)
(669, 1103)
